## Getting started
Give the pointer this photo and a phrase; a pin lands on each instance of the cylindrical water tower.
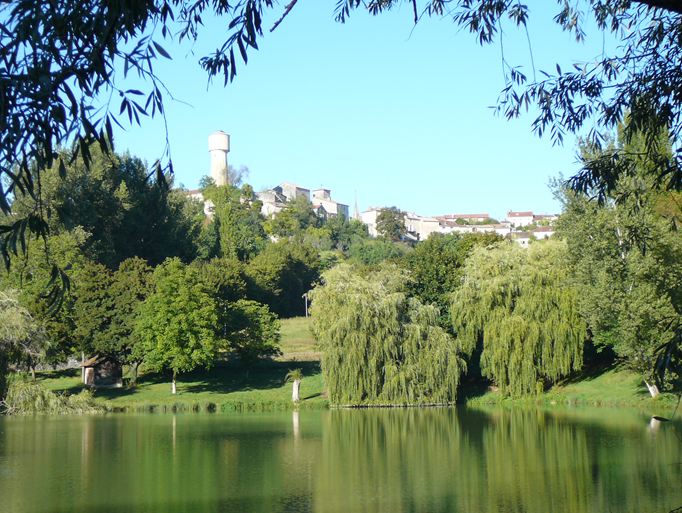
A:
(219, 147)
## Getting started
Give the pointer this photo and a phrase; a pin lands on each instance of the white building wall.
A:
(369, 217)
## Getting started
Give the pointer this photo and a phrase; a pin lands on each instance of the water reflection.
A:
(435, 460)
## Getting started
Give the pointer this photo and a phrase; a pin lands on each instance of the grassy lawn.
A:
(231, 388)
(613, 387)
(223, 388)
(298, 343)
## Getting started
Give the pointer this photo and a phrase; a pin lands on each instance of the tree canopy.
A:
(178, 322)
(519, 303)
(379, 345)
(59, 80)
(624, 254)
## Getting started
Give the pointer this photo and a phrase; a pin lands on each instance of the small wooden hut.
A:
(102, 371)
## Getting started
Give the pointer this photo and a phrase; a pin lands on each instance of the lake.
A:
(401, 460)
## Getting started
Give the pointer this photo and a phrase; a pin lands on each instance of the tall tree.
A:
(624, 255)
(391, 224)
(379, 345)
(237, 221)
(130, 287)
(437, 265)
(177, 323)
(281, 274)
(93, 308)
(519, 303)
(125, 212)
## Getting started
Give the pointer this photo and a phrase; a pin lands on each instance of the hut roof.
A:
(96, 360)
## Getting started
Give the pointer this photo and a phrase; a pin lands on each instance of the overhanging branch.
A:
(668, 5)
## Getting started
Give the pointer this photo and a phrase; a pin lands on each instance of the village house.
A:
(369, 218)
(518, 219)
(421, 226)
(291, 191)
(467, 218)
(322, 200)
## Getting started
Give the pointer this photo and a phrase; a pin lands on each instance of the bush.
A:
(26, 398)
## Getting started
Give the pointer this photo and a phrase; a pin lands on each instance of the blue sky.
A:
(398, 114)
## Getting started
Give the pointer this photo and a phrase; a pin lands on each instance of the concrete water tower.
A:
(219, 147)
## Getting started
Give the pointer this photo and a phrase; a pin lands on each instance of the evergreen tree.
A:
(131, 285)
(93, 308)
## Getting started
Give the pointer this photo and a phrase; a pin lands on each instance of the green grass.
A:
(223, 388)
(613, 387)
(298, 343)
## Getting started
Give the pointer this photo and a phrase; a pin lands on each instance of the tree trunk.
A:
(295, 391)
(82, 368)
(653, 389)
(173, 388)
(136, 366)
(33, 372)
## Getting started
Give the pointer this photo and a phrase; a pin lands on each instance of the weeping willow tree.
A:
(380, 346)
(518, 303)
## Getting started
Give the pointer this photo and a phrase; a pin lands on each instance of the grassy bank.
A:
(612, 388)
(233, 388)
(298, 343)
(222, 388)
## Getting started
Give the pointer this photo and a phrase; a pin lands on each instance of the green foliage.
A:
(237, 222)
(520, 305)
(131, 285)
(294, 218)
(391, 224)
(224, 278)
(93, 307)
(177, 322)
(436, 265)
(25, 398)
(281, 274)
(22, 339)
(251, 330)
(379, 345)
(372, 252)
(31, 275)
(625, 255)
(293, 375)
(344, 233)
(125, 213)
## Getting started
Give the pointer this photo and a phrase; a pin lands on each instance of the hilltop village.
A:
(520, 226)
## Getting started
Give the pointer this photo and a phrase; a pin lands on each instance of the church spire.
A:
(356, 214)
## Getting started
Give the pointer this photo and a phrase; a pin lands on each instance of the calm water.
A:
(425, 461)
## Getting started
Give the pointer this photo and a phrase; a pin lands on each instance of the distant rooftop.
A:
(463, 216)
